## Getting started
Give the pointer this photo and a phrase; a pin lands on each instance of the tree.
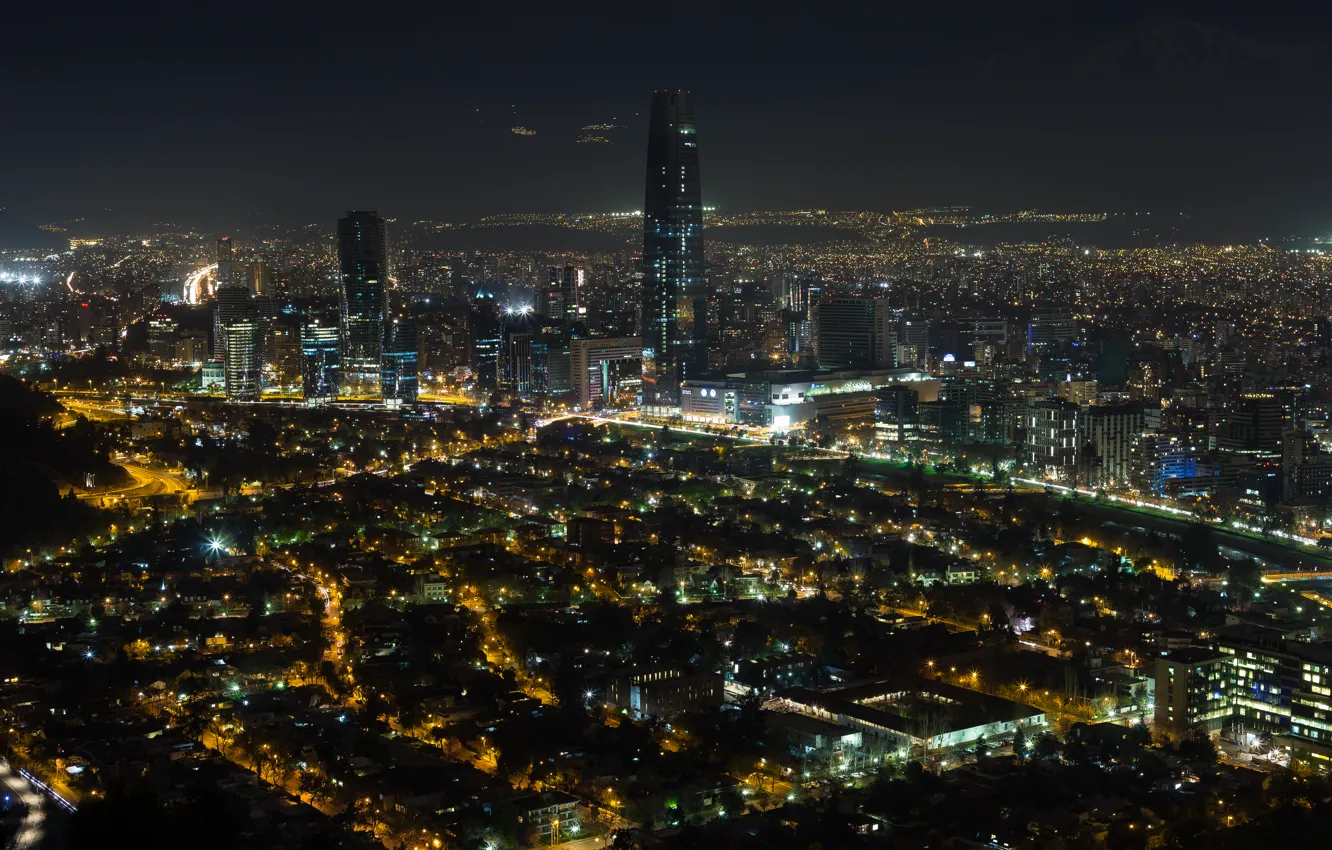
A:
(1198, 745)
(1047, 747)
(311, 782)
(1243, 578)
(1020, 744)
(982, 747)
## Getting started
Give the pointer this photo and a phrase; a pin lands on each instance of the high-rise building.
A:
(1054, 440)
(485, 339)
(230, 304)
(913, 341)
(399, 372)
(363, 267)
(161, 335)
(321, 354)
(559, 297)
(230, 271)
(854, 333)
(281, 352)
(603, 370)
(242, 362)
(260, 278)
(895, 415)
(1109, 435)
(674, 305)
(1048, 328)
(191, 348)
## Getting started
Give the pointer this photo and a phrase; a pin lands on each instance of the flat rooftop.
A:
(921, 708)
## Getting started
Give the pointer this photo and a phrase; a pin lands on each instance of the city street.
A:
(34, 828)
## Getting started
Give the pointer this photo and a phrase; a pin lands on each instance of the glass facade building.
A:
(321, 355)
(363, 269)
(674, 326)
(399, 370)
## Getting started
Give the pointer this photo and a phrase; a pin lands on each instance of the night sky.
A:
(242, 114)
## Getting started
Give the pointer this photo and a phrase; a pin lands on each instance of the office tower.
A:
(260, 278)
(517, 367)
(191, 348)
(895, 416)
(399, 368)
(854, 333)
(674, 318)
(485, 336)
(913, 341)
(363, 294)
(321, 356)
(792, 291)
(522, 354)
(161, 336)
(1049, 328)
(281, 351)
(1162, 464)
(604, 371)
(1053, 439)
(231, 272)
(106, 325)
(237, 342)
(559, 379)
(559, 297)
(241, 364)
(796, 330)
(231, 304)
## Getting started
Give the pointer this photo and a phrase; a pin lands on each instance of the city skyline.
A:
(677, 429)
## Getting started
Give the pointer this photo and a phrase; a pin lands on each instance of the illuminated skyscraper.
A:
(559, 297)
(674, 305)
(363, 264)
(241, 348)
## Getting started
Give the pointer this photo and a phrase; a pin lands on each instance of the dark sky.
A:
(233, 114)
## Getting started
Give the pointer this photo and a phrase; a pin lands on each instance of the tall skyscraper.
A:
(363, 265)
(674, 305)
(224, 249)
(240, 342)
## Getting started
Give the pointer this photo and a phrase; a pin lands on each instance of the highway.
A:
(95, 411)
(147, 483)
